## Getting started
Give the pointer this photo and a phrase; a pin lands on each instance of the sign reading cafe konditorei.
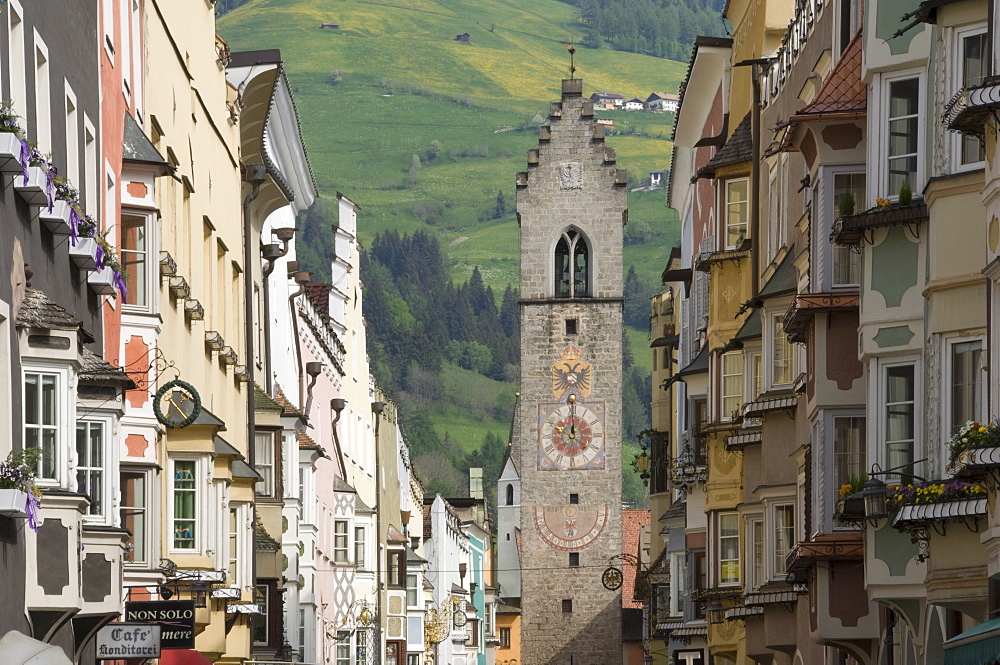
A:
(128, 640)
(175, 617)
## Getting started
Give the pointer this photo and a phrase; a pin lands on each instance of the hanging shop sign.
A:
(128, 640)
(175, 617)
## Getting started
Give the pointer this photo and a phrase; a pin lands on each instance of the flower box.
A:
(13, 503)
(57, 221)
(10, 153)
(32, 190)
(84, 253)
(851, 508)
(102, 282)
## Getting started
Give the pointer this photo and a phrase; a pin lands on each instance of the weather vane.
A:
(572, 67)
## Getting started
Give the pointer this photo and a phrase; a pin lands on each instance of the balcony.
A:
(853, 229)
(834, 547)
(971, 108)
(806, 305)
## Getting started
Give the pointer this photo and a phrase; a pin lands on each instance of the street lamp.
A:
(876, 496)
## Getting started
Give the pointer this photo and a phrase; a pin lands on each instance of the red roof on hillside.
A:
(632, 523)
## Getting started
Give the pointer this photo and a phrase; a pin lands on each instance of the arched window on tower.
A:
(572, 266)
(510, 495)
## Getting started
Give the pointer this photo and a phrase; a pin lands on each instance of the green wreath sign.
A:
(183, 404)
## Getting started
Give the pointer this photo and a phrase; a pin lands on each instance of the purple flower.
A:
(120, 285)
(99, 257)
(25, 160)
(74, 224)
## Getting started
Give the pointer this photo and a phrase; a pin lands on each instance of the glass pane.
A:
(31, 398)
(48, 399)
(966, 389)
(580, 270)
(973, 59)
(96, 490)
(728, 525)
(903, 97)
(736, 191)
(902, 136)
(184, 475)
(48, 453)
(899, 383)
(96, 444)
(562, 269)
(133, 251)
(81, 444)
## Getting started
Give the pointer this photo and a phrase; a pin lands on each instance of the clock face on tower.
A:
(571, 435)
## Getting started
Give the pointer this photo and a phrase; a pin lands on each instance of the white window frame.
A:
(43, 95)
(108, 21)
(107, 466)
(678, 583)
(949, 343)
(855, 25)
(725, 413)
(957, 52)
(878, 426)
(149, 519)
(775, 564)
(881, 184)
(726, 203)
(16, 62)
(137, 60)
(199, 493)
(360, 546)
(91, 167)
(124, 22)
(341, 548)
(755, 375)
(65, 476)
(721, 563)
(415, 576)
(775, 317)
(151, 268)
(756, 555)
(859, 205)
(830, 423)
(264, 464)
(72, 171)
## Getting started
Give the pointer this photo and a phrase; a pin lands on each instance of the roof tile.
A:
(738, 148)
(39, 311)
(843, 91)
(632, 523)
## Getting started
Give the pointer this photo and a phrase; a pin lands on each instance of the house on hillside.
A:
(607, 100)
(329, 26)
(607, 122)
(656, 178)
(464, 37)
(662, 101)
(634, 104)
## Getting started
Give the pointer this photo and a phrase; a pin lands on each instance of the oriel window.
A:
(572, 266)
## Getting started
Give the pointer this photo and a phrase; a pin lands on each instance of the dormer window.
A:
(572, 267)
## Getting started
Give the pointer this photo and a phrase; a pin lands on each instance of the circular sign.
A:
(177, 404)
(612, 579)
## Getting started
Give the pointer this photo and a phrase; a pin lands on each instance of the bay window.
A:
(412, 596)
(135, 514)
(135, 258)
(757, 564)
(185, 505)
(340, 541)
(729, 549)
(234, 547)
(783, 520)
(848, 450)
(846, 260)
(782, 353)
(737, 212)
(971, 70)
(264, 463)
(965, 383)
(359, 547)
(41, 421)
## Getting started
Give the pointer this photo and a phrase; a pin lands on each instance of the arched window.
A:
(572, 266)
(510, 495)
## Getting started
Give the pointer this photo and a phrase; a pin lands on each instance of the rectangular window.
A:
(966, 389)
(18, 73)
(505, 638)
(137, 60)
(90, 464)
(124, 15)
(185, 505)
(782, 355)
(262, 622)
(729, 549)
(302, 635)
(758, 574)
(756, 377)
(848, 23)
(397, 569)
(900, 415)
(846, 262)
(72, 139)
(732, 384)
(784, 536)
(737, 210)
(567, 605)
(90, 166)
(574, 499)
(108, 23)
(340, 541)
(344, 647)
(41, 421)
(903, 134)
(973, 71)
(848, 450)
(134, 256)
(134, 515)
(43, 110)
(574, 559)
(412, 596)
(264, 463)
(359, 547)
(472, 633)
(234, 547)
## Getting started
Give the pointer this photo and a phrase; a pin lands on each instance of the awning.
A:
(976, 646)
(183, 657)
(690, 631)
(19, 649)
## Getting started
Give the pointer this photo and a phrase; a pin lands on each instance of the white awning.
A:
(19, 649)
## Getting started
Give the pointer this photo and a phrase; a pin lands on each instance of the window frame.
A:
(504, 638)
(43, 94)
(266, 465)
(150, 269)
(395, 564)
(414, 589)
(722, 564)
(830, 422)
(171, 513)
(64, 410)
(727, 202)
(575, 241)
(883, 119)
(756, 552)
(773, 333)
(878, 427)
(739, 388)
(341, 542)
(950, 342)
(145, 533)
(859, 205)
(360, 546)
(775, 564)
(957, 52)
(106, 424)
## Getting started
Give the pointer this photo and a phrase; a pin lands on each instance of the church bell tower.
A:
(571, 207)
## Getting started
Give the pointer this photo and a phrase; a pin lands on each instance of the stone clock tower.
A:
(571, 207)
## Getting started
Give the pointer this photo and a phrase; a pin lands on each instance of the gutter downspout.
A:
(301, 278)
(271, 254)
(755, 185)
(377, 409)
(254, 175)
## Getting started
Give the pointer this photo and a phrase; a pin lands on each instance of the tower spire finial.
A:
(572, 67)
